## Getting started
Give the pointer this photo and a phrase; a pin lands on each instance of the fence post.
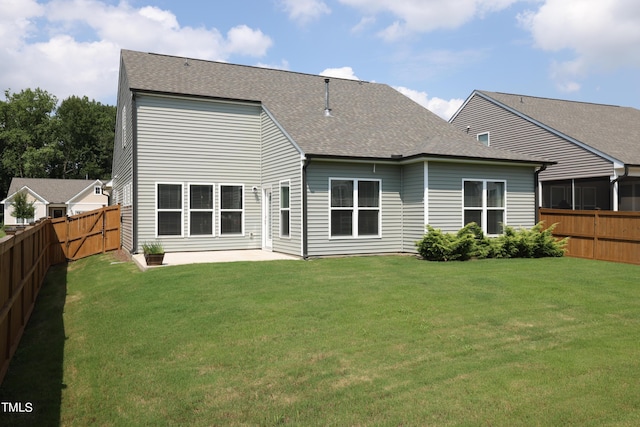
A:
(595, 235)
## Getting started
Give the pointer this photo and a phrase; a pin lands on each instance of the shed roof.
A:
(609, 129)
(52, 190)
(368, 120)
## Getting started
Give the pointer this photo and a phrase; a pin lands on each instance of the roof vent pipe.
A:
(327, 110)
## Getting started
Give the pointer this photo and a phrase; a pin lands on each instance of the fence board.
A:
(602, 235)
(26, 257)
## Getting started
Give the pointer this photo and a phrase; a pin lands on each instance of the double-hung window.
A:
(231, 209)
(285, 209)
(484, 204)
(169, 209)
(201, 209)
(355, 207)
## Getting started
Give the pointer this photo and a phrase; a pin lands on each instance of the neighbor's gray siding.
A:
(319, 241)
(445, 193)
(122, 166)
(512, 132)
(198, 141)
(413, 205)
(281, 161)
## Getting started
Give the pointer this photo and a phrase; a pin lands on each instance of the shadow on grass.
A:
(34, 378)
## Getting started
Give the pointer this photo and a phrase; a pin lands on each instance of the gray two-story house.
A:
(596, 147)
(216, 156)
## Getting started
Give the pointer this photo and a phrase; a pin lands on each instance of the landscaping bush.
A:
(470, 242)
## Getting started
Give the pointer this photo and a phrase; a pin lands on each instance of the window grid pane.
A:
(169, 223)
(341, 194)
(284, 223)
(495, 194)
(341, 223)
(230, 222)
(473, 216)
(495, 219)
(368, 223)
(368, 194)
(169, 196)
(473, 194)
(230, 197)
(201, 197)
(201, 223)
(284, 197)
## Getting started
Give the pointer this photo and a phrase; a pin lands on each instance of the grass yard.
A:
(344, 341)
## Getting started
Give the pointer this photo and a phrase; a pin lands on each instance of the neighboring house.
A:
(55, 197)
(215, 156)
(596, 147)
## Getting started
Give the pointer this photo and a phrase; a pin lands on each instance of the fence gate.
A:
(88, 233)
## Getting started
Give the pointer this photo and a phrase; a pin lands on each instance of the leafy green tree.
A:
(40, 140)
(22, 208)
(86, 134)
(26, 127)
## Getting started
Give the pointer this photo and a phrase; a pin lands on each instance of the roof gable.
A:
(52, 190)
(368, 120)
(609, 130)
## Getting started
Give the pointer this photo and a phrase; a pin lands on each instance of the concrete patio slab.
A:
(181, 258)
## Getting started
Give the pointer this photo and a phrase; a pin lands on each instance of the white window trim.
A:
(355, 209)
(484, 207)
(213, 210)
(181, 210)
(220, 210)
(281, 209)
(488, 137)
(97, 190)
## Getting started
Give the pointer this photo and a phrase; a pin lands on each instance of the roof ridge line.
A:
(555, 99)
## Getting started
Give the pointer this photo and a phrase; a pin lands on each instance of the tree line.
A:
(41, 139)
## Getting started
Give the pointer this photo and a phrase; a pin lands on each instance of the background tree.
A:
(27, 133)
(22, 208)
(86, 133)
(40, 140)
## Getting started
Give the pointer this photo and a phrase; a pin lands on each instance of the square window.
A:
(355, 207)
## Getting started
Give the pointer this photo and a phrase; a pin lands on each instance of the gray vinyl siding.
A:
(281, 161)
(413, 205)
(319, 241)
(445, 193)
(190, 141)
(122, 166)
(512, 132)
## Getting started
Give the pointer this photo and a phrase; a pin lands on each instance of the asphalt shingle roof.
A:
(52, 190)
(369, 120)
(610, 129)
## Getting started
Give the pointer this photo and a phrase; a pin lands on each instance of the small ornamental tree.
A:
(22, 208)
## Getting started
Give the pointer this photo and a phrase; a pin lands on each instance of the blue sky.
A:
(435, 51)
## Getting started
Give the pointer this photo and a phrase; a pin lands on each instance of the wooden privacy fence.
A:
(602, 235)
(26, 256)
(89, 233)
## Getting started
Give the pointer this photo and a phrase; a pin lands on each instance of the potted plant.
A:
(153, 253)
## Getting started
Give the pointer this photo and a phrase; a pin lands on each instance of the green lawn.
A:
(344, 341)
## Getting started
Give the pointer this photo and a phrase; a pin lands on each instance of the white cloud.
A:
(340, 73)
(419, 16)
(304, 11)
(40, 45)
(439, 106)
(246, 41)
(602, 35)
